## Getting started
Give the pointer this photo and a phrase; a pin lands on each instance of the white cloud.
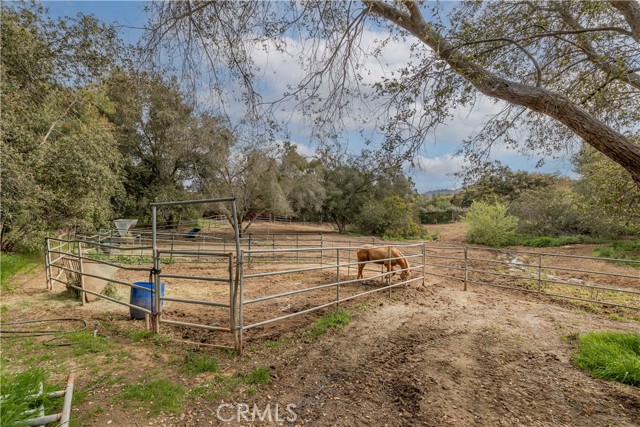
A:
(437, 172)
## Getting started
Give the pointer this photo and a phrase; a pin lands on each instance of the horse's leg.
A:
(360, 268)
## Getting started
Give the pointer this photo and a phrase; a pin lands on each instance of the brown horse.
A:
(371, 253)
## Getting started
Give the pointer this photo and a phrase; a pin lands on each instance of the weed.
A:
(332, 320)
(158, 395)
(623, 250)
(13, 264)
(251, 391)
(550, 241)
(570, 338)
(138, 334)
(197, 363)
(258, 375)
(610, 355)
(14, 388)
(111, 290)
(84, 342)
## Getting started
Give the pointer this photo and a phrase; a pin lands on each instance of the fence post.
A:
(539, 273)
(47, 263)
(337, 278)
(173, 242)
(232, 304)
(321, 246)
(424, 263)
(80, 256)
(466, 272)
(156, 313)
(388, 269)
(297, 247)
(240, 301)
(250, 239)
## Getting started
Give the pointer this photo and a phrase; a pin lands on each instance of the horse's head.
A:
(405, 274)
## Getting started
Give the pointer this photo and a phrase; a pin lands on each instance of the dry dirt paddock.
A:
(429, 355)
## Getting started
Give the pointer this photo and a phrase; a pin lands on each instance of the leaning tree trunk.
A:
(594, 132)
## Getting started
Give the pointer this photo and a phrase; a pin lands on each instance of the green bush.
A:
(549, 211)
(621, 249)
(548, 241)
(392, 218)
(611, 355)
(489, 224)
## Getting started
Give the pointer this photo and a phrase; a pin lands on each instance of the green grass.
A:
(258, 375)
(549, 241)
(12, 264)
(85, 343)
(197, 363)
(610, 355)
(224, 385)
(156, 396)
(138, 335)
(15, 387)
(621, 249)
(336, 319)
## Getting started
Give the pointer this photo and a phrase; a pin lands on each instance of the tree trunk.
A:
(593, 131)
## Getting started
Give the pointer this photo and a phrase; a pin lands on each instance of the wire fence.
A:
(552, 274)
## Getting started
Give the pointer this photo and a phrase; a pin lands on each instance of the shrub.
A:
(549, 211)
(391, 218)
(489, 224)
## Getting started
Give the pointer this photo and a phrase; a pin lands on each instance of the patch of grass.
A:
(161, 340)
(610, 355)
(336, 319)
(84, 343)
(224, 385)
(138, 334)
(197, 363)
(157, 396)
(15, 387)
(550, 241)
(621, 249)
(12, 264)
(258, 375)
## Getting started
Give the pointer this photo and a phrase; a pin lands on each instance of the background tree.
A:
(566, 70)
(501, 182)
(60, 165)
(161, 137)
(605, 187)
(301, 181)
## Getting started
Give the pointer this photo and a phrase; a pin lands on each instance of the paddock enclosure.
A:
(223, 289)
(219, 288)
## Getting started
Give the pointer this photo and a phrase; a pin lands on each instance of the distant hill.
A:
(440, 191)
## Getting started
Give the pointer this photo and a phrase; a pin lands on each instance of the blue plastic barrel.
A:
(143, 298)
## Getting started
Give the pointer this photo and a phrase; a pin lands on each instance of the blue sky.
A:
(437, 161)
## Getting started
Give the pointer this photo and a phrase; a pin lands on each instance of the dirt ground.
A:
(436, 356)
(431, 355)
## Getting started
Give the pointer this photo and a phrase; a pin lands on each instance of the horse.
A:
(371, 253)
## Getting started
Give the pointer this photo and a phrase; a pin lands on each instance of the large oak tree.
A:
(564, 71)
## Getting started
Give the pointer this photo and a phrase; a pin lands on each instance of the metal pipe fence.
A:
(240, 274)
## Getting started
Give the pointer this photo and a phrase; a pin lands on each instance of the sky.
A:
(435, 164)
